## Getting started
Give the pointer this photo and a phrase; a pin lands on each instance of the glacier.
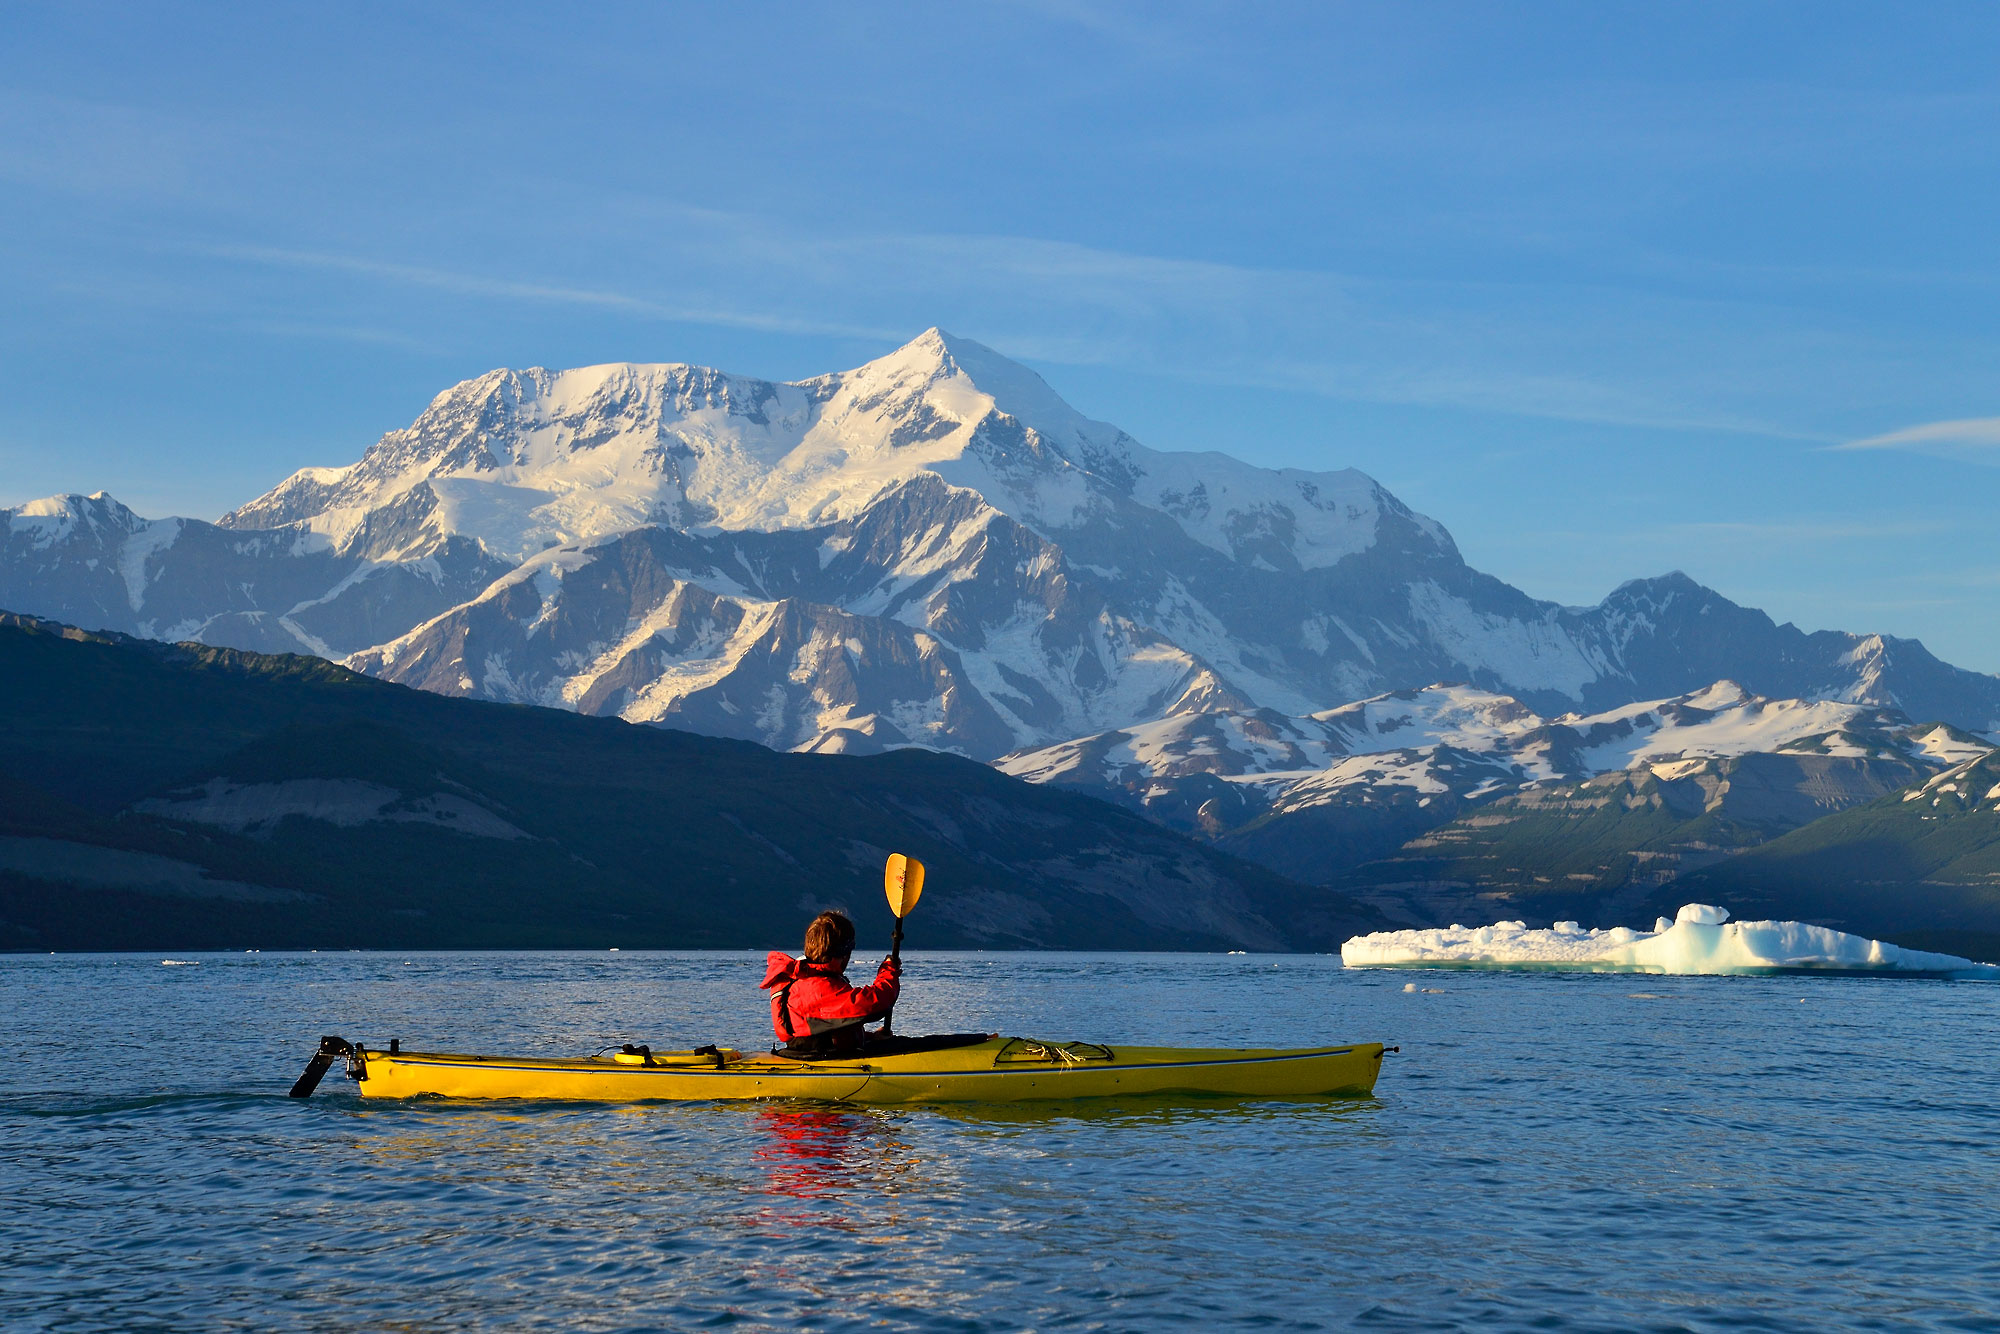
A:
(1701, 940)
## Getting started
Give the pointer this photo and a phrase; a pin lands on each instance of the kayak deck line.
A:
(979, 1069)
(821, 1070)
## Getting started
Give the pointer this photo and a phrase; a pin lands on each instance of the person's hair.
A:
(830, 937)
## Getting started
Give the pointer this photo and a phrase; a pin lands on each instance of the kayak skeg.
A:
(971, 1068)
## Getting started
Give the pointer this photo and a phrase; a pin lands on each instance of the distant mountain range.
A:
(934, 550)
(1319, 794)
(155, 796)
(1451, 803)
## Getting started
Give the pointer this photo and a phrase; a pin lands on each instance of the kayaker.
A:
(813, 1009)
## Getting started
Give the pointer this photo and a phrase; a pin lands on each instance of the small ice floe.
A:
(180, 963)
(1700, 939)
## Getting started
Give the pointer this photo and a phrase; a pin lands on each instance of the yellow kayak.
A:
(974, 1068)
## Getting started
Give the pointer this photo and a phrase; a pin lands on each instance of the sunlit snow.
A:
(1310, 759)
(585, 453)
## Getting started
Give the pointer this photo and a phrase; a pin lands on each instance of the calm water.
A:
(1547, 1152)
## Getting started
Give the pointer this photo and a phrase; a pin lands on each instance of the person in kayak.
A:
(813, 1009)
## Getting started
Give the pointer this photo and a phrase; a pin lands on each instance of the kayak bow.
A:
(975, 1069)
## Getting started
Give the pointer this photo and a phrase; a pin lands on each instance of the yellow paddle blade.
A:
(903, 878)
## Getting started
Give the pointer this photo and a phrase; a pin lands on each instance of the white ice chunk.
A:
(1701, 940)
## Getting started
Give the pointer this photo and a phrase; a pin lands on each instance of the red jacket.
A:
(807, 1000)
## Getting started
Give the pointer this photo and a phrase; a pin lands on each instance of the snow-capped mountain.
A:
(1421, 757)
(524, 460)
(92, 562)
(933, 548)
(930, 619)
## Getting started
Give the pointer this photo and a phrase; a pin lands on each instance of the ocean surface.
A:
(1546, 1152)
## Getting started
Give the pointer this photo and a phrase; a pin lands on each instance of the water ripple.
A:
(1546, 1153)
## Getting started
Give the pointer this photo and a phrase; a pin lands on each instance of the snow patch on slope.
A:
(1452, 715)
(1722, 720)
(146, 541)
(1527, 654)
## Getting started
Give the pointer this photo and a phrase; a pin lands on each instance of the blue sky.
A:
(1608, 289)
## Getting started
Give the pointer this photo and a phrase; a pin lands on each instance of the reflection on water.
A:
(1158, 1110)
(1546, 1152)
(826, 1158)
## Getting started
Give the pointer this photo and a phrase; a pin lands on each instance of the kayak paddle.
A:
(903, 879)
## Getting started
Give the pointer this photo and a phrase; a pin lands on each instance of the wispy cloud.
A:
(1816, 530)
(466, 284)
(1972, 439)
(1474, 346)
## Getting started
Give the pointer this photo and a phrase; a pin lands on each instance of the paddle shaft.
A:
(896, 953)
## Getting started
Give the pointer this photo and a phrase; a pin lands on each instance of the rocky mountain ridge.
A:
(1316, 796)
(931, 549)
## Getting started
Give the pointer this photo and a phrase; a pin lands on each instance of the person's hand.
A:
(895, 967)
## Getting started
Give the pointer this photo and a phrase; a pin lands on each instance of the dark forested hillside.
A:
(182, 796)
(1921, 866)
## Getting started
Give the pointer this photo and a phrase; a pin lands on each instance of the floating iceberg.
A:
(1701, 939)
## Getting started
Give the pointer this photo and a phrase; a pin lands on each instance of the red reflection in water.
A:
(823, 1156)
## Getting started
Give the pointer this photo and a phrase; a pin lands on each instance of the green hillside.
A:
(1595, 851)
(1869, 845)
(1921, 867)
(179, 796)
(1609, 849)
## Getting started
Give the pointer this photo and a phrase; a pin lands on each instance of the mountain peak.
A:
(58, 514)
(935, 347)
(1724, 694)
(956, 374)
(524, 459)
(1659, 586)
